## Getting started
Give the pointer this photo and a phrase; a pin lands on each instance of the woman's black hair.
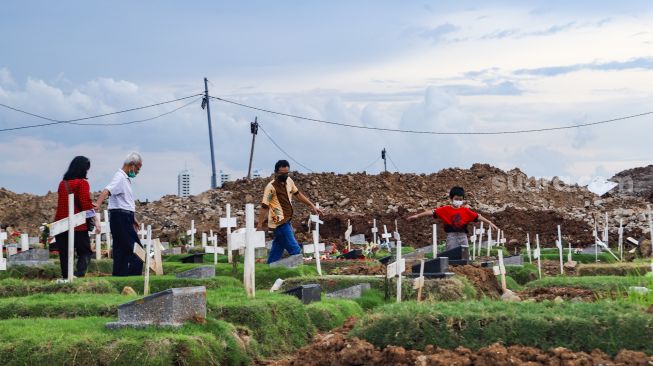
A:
(457, 191)
(78, 168)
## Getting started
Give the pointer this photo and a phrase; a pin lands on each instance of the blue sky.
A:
(443, 66)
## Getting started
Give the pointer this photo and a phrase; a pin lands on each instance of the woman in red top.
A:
(74, 181)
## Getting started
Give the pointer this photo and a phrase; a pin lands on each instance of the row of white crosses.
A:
(316, 247)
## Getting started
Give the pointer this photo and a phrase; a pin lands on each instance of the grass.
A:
(599, 284)
(614, 269)
(553, 255)
(522, 274)
(579, 326)
(332, 313)
(85, 341)
(370, 299)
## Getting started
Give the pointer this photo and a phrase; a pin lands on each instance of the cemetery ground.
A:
(591, 316)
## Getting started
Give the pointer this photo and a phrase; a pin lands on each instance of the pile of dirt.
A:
(361, 269)
(565, 293)
(636, 182)
(517, 203)
(335, 349)
(483, 279)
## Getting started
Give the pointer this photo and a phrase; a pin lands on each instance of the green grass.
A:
(522, 274)
(61, 305)
(85, 341)
(578, 326)
(599, 284)
(553, 255)
(614, 269)
(332, 313)
(371, 299)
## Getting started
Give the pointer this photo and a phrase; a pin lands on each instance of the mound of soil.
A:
(359, 269)
(482, 279)
(335, 349)
(566, 293)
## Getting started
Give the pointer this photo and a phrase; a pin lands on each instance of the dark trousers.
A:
(125, 262)
(82, 248)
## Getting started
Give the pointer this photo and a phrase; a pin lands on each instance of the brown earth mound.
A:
(566, 293)
(335, 349)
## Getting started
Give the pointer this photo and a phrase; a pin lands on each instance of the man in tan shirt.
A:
(277, 207)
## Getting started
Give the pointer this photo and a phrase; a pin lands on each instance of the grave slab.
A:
(289, 262)
(358, 239)
(591, 249)
(31, 258)
(193, 258)
(172, 251)
(306, 293)
(515, 260)
(171, 307)
(353, 292)
(198, 272)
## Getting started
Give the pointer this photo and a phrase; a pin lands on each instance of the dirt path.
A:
(334, 349)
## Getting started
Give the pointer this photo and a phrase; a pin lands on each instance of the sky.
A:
(464, 66)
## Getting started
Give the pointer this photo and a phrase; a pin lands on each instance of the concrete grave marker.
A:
(418, 283)
(31, 258)
(171, 307)
(353, 292)
(250, 239)
(12, 249)
(191, 233)
(68, 225)
(289, 262)
(198, 272)
(358, 239)
(24, 241)
(315, 248)
(228, 223)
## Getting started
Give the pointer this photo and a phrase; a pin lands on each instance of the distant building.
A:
(256, 174)
(183, 183)
(224, 177)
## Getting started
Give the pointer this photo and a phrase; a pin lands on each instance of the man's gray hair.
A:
(133, 158)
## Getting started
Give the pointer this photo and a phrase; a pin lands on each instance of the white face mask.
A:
(457, 203)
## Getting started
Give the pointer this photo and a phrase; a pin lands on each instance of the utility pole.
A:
(385, 163)
(254, 129)
(205, 103)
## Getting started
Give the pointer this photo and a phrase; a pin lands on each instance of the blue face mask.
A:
(131, 175)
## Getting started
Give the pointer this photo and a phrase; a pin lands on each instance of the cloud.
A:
(645, 63)
(438, 33)
(501, 88)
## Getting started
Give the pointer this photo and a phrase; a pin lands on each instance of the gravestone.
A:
(434, 268)
(352, 254)
(358, 239)
(12, 249)
(261, 252)
(30, 258)
(24, 242)
(592, 249)
(193, 258)
(289, 262)
(515, 260)
(172, 251)
(457, 256)
(198, 272)
(306, 293)
(353, 292)
(171, 307)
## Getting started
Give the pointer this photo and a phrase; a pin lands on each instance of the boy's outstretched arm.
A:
(420, 215)
(481, 218)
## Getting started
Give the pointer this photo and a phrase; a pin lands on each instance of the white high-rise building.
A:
(256, 174)
(224, 177)
(183, 183)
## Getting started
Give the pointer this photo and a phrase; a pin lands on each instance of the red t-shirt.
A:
(82, 191)
(455, 220)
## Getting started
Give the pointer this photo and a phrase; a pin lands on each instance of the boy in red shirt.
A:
(455, 218)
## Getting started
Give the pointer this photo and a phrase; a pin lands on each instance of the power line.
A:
(367, 167)
(393, 163)
(140, 120)
(421, 132)
(56, 121)
(282, 150)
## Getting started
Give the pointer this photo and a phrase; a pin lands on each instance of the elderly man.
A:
(121, 215)
(277, 206)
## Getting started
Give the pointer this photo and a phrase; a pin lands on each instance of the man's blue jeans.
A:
(284, 239)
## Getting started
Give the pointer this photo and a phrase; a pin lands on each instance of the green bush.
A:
(332, 313)
(85, 341)
(577, 326)
(522, 274)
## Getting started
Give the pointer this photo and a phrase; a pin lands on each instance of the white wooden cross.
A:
(24, 242)
(250, 239)
(386, 236)
(316, 219)
(191, 233)
(480, 238)
(559, 245)
(489, 240)
(596, 242)
(204, 239)
(621, 239)
(3, 261)
(396, 269)
(155, 263)
(474, 238)
(536, 255)
(98, 246)
(501, 239)
(214, 248)
(375, 230)
(607, 248)
(106, 230)
(606, 233)
(69, 224)
(228, 223)
(528, 247)
(142, 233)
(418, 283)
(348, 234)
(395, 234)
(316, 248)
(435, 241)
(500, 270)
(148, 246)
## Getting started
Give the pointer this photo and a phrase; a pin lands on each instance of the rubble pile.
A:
(517, 203)
(637, 182)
